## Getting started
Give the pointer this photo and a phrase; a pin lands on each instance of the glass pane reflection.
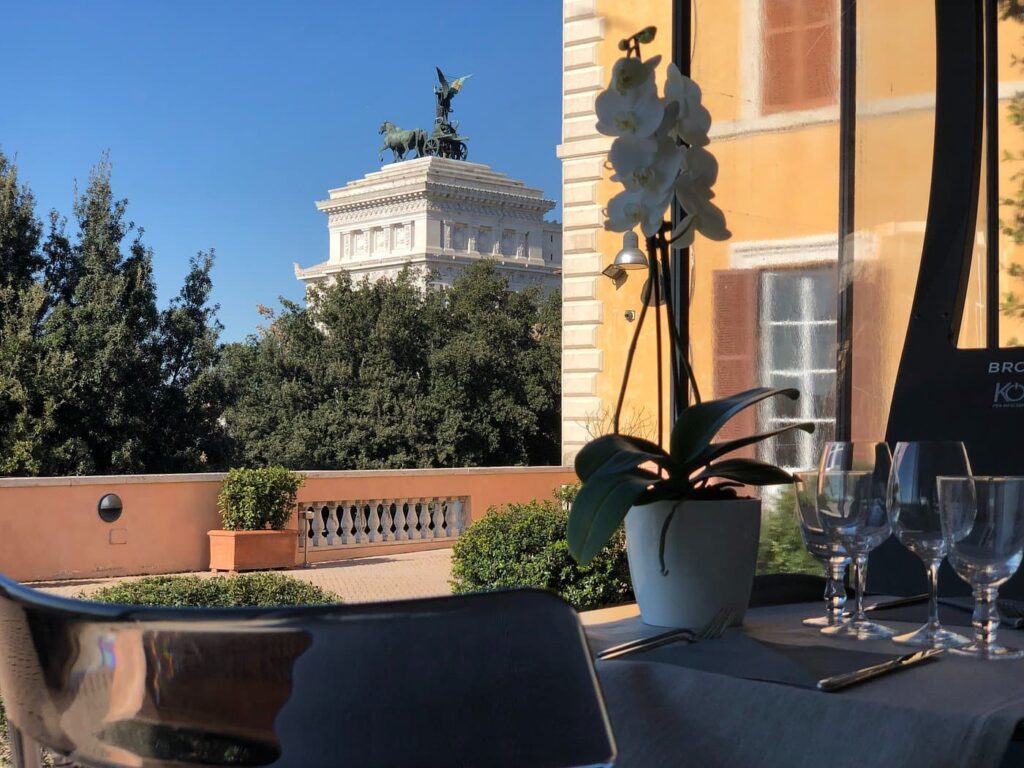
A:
(763, 307)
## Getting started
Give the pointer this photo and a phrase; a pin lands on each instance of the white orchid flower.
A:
(702, 215)
(694, 120)
(638, 113)
(699, 167)
(632, 208)
(630, 75)
(647, 165)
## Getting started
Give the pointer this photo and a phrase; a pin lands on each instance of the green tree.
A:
(190, 396)
(495, 372)
(101, 333)
(389, 375)
(21, 309)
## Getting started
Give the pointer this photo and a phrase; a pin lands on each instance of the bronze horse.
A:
(400, 142)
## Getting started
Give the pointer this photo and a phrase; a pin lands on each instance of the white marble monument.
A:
(438, 215)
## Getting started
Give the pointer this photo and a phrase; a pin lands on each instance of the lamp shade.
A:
(630, 257)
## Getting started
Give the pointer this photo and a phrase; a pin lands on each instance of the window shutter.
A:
(867, 420)
(800, 39)
(735, 297)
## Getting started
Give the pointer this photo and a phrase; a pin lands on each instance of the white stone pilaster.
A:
(582, 152)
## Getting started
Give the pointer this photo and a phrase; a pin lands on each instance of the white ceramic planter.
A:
(710, 554)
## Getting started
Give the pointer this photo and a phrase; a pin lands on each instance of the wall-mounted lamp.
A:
(630, 257)
(630, 315)
(109, 508)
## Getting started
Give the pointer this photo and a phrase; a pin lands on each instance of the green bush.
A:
(255, 499)
(247, 589)
(781, 549)
(524, 545)
(5, 744)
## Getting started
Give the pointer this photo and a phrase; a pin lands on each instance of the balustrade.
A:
(362, 522)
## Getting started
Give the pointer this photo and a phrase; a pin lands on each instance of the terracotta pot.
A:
(252, 550)
(710, 557)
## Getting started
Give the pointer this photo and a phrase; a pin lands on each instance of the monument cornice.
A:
(436, 194)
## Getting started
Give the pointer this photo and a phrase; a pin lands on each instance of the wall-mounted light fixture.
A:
(629, 258)
(109, 508)
(630, 315)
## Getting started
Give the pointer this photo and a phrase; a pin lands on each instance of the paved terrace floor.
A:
(363, 580)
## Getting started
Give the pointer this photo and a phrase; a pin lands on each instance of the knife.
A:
(845, 680)
(897, 603)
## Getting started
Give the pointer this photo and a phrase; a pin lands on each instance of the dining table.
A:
(749, 697)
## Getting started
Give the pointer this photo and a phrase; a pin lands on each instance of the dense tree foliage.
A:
(93, 378)
(389, 375)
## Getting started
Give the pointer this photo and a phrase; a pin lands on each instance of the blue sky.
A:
(225, 120)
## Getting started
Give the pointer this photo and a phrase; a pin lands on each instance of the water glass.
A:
(914, 516)
(826, 550)
(852, 483)
(983, 522)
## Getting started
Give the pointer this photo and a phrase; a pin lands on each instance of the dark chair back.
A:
(499, 679)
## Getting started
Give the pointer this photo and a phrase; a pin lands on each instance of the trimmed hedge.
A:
(524, 545)
(257, 499)
(247, 589)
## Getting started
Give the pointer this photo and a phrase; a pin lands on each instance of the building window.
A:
(777, 328)
(797, 310)
(800, 54)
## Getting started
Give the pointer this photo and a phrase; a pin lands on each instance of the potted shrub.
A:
(254, 506)
(690, 541)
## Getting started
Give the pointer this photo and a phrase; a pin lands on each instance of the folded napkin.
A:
(739, 655)
(953, 611)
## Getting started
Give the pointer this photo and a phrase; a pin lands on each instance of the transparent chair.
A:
(498, 679)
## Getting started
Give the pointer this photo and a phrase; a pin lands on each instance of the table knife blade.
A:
(898, 602)
(845, 680)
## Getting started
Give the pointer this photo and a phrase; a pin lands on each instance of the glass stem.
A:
(835, 591)
(860, 563)
(933, 595)
(986, 616)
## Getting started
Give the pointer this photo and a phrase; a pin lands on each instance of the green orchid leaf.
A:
(699, 423)
(715, 450)
(599, 508)
(746, 471)
(595, 454)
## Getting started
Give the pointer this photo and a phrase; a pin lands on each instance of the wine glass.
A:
(852, 480)
(827, 551)
(914, 516)
(983, 521)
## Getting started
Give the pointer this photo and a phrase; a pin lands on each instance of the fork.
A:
(714, 628)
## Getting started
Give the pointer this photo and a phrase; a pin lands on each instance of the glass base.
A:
(860, 630)
(988, 652)
(822, 621)
(931, 637)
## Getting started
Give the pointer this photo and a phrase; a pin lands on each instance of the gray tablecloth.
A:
(952, 713)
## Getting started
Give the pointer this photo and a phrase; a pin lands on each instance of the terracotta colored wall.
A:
(49, 528)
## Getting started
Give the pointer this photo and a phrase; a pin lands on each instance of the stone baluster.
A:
(373, 521)
(437, 515)
(384, 512)
(358, 536)
(344, 523)
(364, 510)
(399, 516)
(455, 508)
(423, 519)
(331, 524)
(446, 517)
